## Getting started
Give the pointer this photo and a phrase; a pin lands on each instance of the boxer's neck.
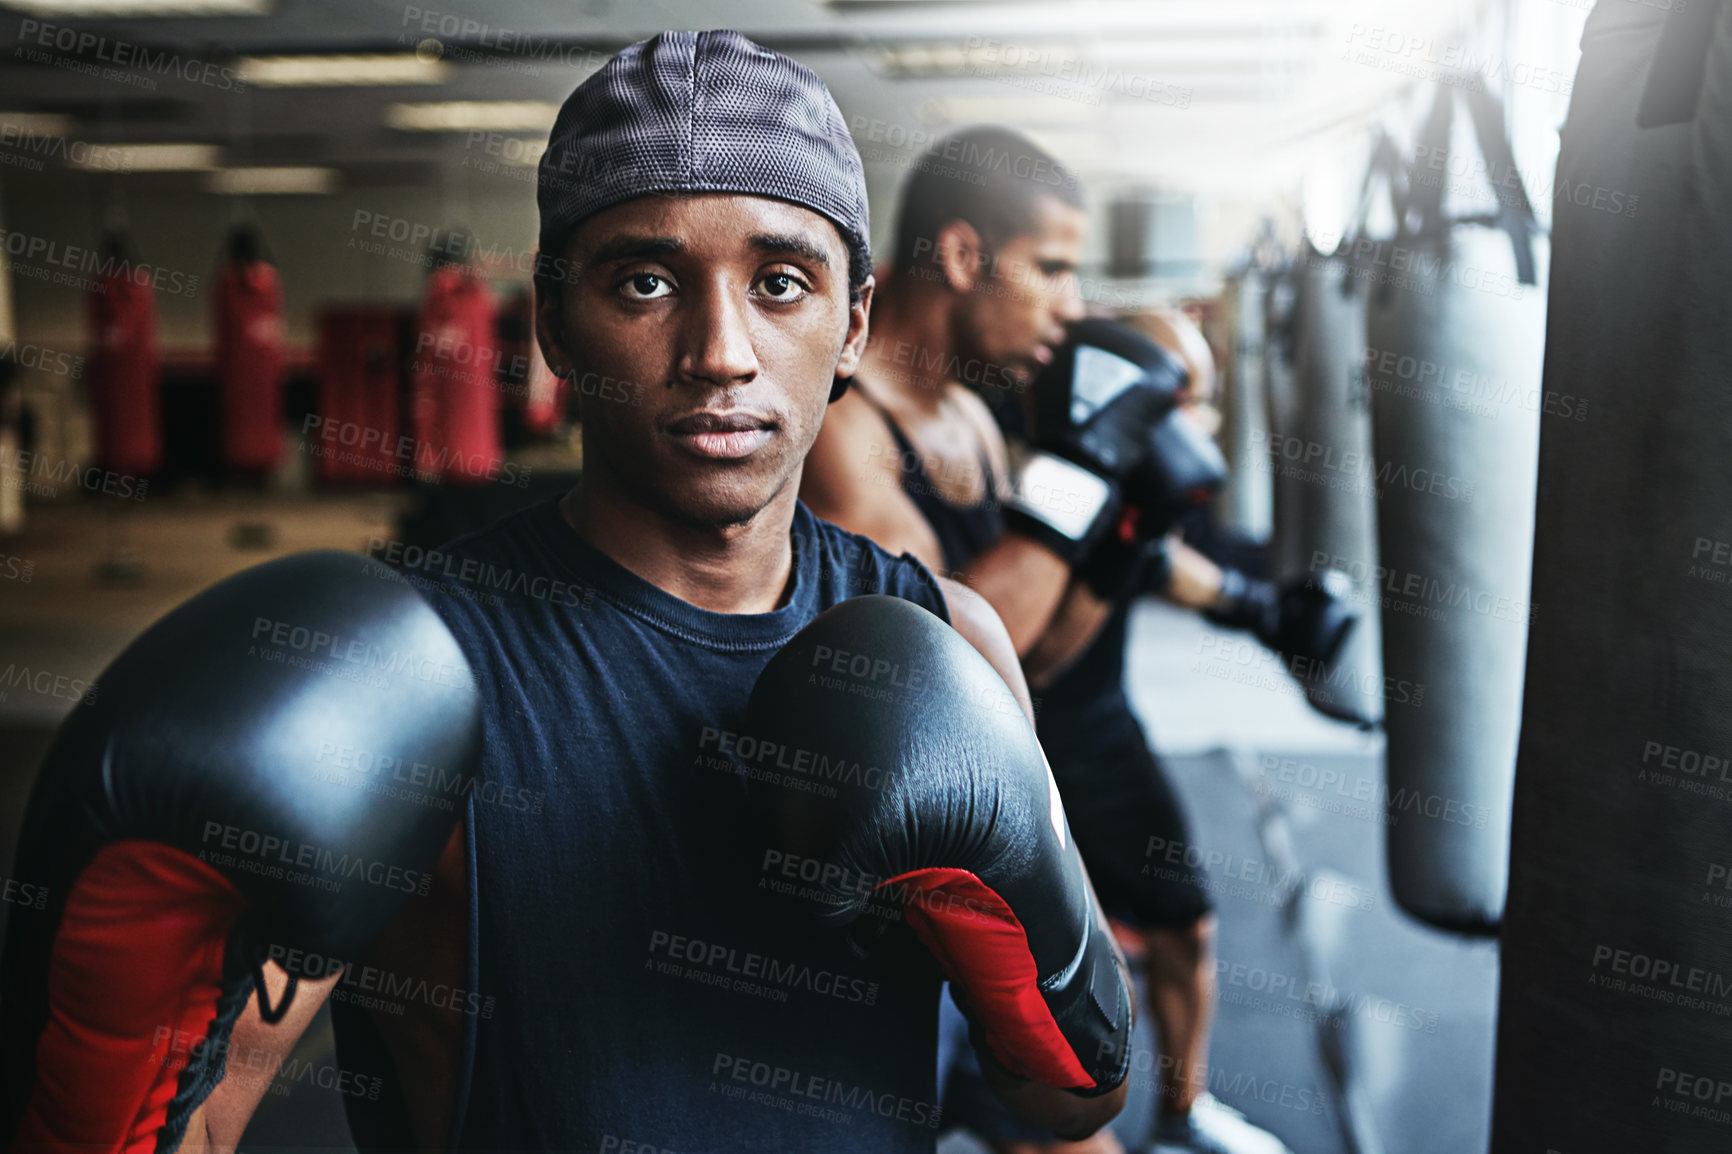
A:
(909, 350)
(744, 568)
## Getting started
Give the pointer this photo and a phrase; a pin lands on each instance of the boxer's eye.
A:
(782, 287)
(645, 286)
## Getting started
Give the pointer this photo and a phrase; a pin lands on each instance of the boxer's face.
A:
(727, 318)
(1016, 313)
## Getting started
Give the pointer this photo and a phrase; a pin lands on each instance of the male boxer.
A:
(983, 278)
(705, 287)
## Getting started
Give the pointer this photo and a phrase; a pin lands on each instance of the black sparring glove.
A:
(1126, 564)
(953, 822)
(1095, 408)
(1183, 470)
(192, 820)
(1306, 618)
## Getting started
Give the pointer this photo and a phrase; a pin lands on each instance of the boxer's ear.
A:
(854, 344)
(960, 255)
(555, 275)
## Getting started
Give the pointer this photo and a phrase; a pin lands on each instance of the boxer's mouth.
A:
(724, 436)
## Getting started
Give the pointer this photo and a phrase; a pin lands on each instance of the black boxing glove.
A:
(1306, 618)
(1126, 564)
(1095, 406)
(1183, 469)
(194, 818)
(960, 831)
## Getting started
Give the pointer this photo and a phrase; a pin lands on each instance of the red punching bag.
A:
(354, 434)
(544, 395)
(249, 351)
(456, 403)
(123, 380)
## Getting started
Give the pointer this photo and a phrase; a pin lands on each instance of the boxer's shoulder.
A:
(976, 412)
(852, 565)
(531, 561)
(527, 558)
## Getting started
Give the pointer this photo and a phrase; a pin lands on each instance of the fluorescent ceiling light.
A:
(1017, 110)
(473, 116)
(346, 70)
(35, 124)
(1104, 18)
(272, 181)
(1078, 62)
(75, 9)
(148, 158)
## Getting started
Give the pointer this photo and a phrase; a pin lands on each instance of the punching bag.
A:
(354, 436)
(1615, 1012)
(456, 402)
(1282, 400)
(1455, 326)
(249, 348)
(123, 370)
(1243, 509)
(1325, 513)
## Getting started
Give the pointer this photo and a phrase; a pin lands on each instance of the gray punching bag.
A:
(1243, 509)
(1325, 513)
(1455, 328)
(1615, 1013)
(1281, 397)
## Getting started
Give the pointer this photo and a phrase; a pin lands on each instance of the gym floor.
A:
(1343, 1026)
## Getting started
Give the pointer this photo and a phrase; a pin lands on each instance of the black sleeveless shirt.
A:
(621, 988)
(964, 531)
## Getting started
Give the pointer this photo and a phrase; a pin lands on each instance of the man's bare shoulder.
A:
(855, 418)
(853, 439)
(853, 478)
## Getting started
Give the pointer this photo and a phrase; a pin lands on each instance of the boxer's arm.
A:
(1196, 582)
(853, 479)
(1029, 591)
(256, 1052)
(1024, 581)
(1079, 620)
(1065, 1114)
(973, 617)
(425, 941)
